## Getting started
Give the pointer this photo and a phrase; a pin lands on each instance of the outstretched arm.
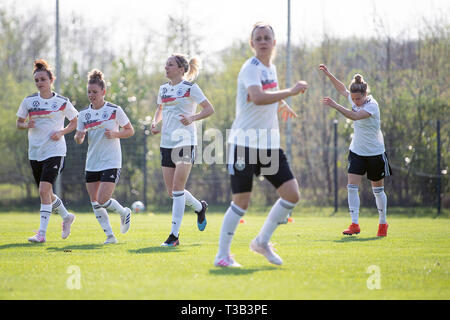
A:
(340, 87)
(261, 97)
(350, 114)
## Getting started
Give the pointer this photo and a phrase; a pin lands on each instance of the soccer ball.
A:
(138, 206)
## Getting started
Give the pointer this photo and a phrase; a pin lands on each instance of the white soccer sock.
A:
(279, 212)
(381, 201)
(59, 208)
(102, 217)
(178, 204)
(192, 202)
(230, 222)
(113, 205)
(45, 212)
(353, 202)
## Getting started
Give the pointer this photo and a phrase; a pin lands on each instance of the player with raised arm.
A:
(254, 147)
(366, 152)
(105, 124)
(177, 103)
(46, 111)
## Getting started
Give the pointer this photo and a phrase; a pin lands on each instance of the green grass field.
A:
(319, 262)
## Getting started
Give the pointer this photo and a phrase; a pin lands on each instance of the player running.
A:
(254, 147)
(177, 104)
(105, 123)
(46, 111)
(366, 153)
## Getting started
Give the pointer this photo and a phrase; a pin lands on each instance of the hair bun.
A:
(95, 75)
(358, 78)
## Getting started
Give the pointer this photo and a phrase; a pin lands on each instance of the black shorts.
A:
(108, 175)
(377, 167)
(47, 170)
(169, 156)
(245, 163)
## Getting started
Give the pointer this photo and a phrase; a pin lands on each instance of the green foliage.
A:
(408, 78)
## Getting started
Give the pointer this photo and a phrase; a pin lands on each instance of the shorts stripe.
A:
(61, 165)
(386, 165)
(117, 176)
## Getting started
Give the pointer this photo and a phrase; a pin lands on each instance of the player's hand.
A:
(186, 120)
(110, 134)
(286, 111)
(329, 102)
(299, 87)
(30, 124)
(154, 128)
(324, 68)
(56, 136)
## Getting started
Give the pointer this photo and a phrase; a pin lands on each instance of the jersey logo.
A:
(269, 84)
(42, 113)
(94, 124)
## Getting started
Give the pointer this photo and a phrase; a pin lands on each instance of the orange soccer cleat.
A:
(353, 229)
(382, 230)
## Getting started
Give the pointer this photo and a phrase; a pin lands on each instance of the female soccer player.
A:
(177, 103)
(366, 152)
(46, 111)
(254, 147)
(105, 124)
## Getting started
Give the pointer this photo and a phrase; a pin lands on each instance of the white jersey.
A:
(176, 100)
(48, 116)
(255, 126)
(367, 137)
(103, 153)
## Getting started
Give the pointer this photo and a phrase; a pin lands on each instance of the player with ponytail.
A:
(366, 152)
(177, 103)
(43, 114)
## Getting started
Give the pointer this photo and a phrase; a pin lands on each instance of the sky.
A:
(220, 23)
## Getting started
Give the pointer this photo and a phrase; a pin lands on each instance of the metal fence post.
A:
(439, 178)
(335, 123)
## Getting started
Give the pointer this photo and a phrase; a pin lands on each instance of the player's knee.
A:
(293, 197)
(102, 201)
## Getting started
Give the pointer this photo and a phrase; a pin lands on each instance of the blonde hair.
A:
(96, 77)
(358, 85)
(191, 67)
(261, 24)
(42, 65)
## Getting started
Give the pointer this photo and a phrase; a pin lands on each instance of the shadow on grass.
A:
(19, 245)
(219, 271)
(356, 239)
(160, 249)
(91, 246)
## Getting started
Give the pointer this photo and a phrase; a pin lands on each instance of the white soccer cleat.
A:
(67, 223)
(37, 238)
(110, 239)
(266, 249)
(227, 262)
(125, 220)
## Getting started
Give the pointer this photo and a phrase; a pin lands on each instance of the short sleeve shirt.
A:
(103, 153)
(367, 137)
(48, 116)
(255, 126)
(180, 99)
